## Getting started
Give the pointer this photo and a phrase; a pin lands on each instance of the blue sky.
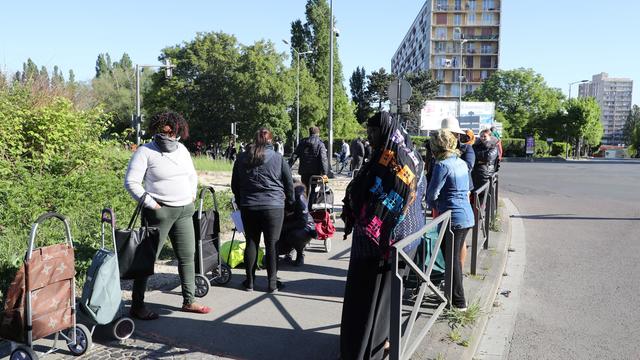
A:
(564, 40)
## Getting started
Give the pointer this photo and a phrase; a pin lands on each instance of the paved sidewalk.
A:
(300, 322)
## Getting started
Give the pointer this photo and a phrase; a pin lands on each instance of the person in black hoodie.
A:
(262, 185)
(313, 156)
(299, 227)
(486, 150)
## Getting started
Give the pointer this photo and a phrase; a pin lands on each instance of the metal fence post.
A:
(487, 220)
(395, 335)
(476, 231)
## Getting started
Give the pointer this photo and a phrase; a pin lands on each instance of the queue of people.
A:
(384, 203)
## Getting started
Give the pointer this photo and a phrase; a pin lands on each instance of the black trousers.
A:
(269, 223)
(456, 289)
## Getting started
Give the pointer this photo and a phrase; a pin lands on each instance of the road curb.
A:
(489, 290)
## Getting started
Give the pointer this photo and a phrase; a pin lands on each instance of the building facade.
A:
(614, 97)
(450, 35)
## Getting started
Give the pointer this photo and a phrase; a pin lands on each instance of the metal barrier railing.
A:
(481, 217)
(495, 182)
(402, 345)
(485, 211)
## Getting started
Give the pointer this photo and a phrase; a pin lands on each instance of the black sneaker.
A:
(299, 260)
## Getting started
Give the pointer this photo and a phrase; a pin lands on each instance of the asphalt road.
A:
(581, 285)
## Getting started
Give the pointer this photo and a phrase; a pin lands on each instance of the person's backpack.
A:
(101, 295)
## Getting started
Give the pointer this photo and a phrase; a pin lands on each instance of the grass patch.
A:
(496, 224)
(439, 356)
(204, 163)
(477, 276)
(458, 319)
(455, 336)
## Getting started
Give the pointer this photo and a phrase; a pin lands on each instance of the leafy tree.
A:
(378, 86)
(265, 90)
(29, 71)
(316, 33)
(359, 95)
(632, 122)
(114, 86)
(521, 95)
(583, 121)
(57, 79)
(43, 76)
(312, 108)
(423, 88)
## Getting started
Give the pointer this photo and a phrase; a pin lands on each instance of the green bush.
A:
(513, 147)
(53, 159)
(516, 148)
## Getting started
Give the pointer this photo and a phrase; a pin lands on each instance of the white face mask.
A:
(166, 143)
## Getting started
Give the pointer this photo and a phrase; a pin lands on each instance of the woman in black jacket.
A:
(486, 150)
(262, 185)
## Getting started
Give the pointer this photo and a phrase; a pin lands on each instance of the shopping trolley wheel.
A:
(23, 353)
(123, 328)
(83, 340)
(327, 245)
(202, 285)
(224, 276)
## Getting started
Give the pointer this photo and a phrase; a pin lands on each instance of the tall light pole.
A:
(462, 42)
(297, 89)
(331, 34)
(567, 130)
(168, 73)
(573, 83)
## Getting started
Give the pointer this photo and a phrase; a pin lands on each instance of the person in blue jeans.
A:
(449, 190)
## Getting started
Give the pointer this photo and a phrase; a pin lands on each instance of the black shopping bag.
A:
(137, 247)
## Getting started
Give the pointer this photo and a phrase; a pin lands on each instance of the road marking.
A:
(497, 336)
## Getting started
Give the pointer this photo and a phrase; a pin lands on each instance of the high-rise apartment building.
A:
(435, 38)
(614, 97)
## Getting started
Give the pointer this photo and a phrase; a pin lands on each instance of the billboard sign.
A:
(530, 145)
(473, 115)
(434, 111)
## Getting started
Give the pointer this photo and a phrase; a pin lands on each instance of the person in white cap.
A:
(466, 151)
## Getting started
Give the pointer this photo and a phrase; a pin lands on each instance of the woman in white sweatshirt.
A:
(164, 170)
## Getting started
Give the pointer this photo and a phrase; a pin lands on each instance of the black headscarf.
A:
(383, 190)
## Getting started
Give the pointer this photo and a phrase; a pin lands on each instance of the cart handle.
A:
(108, 216)
(40, 220)
(211, 190)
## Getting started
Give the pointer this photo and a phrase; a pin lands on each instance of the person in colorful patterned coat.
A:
(382, 206)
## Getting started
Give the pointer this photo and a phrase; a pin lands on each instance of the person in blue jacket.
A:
(449, 190)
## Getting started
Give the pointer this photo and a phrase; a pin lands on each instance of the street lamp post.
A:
(168, 73)
(567, 135)
(297, 89)
(462, 42)
(330, 127)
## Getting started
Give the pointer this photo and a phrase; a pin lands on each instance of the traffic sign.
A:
(399, 91)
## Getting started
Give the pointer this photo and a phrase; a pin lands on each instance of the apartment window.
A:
(471, 19)
(468, 89)
(484, 74)
(440, 75)
(487, 19)
(468, 62)
(441, 33)
(471, 5)
(471, 48)
(442, 5)
(457, 19)
(458, 5)
(488, 5)
(485, 62)
(439, 47)
(487, 49)
(455, 90)
(441, 19)
(442, 90)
